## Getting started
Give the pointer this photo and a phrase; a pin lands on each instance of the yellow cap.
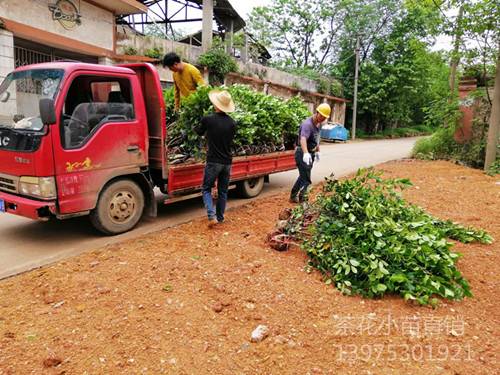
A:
(324, 110)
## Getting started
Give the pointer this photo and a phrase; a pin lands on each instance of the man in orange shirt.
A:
(186, 77)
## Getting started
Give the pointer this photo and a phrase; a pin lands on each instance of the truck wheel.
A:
(252, 187)
(119, 207)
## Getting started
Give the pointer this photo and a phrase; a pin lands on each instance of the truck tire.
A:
(119, 208)
(252, 187)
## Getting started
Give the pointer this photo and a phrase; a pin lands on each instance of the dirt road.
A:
(26, 244)
(186, 300)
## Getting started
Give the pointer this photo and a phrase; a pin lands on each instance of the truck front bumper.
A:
(31, 208)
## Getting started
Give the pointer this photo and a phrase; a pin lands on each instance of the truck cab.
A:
(74, 141)
(84, 139)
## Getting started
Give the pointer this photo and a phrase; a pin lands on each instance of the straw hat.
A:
(222, 100)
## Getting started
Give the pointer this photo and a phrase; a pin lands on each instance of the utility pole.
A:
(355, 99)
(494, 125)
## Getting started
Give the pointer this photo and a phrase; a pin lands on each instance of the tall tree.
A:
(475, 30)
(494, 123)
(398, 75)
(301, 33)
(483, 26)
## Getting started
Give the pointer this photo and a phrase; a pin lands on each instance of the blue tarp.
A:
(334, 132)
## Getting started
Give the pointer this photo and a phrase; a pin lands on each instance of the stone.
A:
(250, 306)
(58, 304)
(217, 307)
(260, 333)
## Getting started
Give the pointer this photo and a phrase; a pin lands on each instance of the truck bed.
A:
(184, 178)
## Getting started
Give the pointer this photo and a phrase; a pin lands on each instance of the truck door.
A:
(101, 135)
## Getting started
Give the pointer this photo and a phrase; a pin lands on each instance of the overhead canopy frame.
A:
(164, 14)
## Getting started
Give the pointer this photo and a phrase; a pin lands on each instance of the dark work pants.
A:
(221, 173)
(300, 187)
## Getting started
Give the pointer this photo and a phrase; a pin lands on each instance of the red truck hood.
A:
(17, 163)
(30, 155)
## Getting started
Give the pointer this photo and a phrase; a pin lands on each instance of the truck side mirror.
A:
(47, 111)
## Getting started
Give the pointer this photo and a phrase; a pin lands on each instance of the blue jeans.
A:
(221, 173)
(304, 180)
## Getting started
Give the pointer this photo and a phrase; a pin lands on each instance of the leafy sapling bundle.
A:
(265, 123)
(367, 240)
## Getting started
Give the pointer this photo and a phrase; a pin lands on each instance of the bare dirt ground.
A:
(185, 301)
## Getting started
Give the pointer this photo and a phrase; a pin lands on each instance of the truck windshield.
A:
(20, 94)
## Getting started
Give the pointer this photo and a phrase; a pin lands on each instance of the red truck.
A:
(83, 139)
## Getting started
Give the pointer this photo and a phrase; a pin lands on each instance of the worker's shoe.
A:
(212, 222)
(294, 199)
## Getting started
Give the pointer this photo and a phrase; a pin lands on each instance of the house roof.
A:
(122, 7)
(224, 13)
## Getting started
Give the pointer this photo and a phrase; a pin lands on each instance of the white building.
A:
(34, 31)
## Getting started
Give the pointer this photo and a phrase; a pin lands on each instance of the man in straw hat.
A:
(307, 151)
(220, 129)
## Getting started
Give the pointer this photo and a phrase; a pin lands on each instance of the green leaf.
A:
(377, 233)
(408, 296)
(347, 269)
(398, 278)
(381, 287)
(449, 293)
(354, 262)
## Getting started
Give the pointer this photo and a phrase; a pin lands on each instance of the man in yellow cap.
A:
(220, 130)
(307, 151)
(186, 77)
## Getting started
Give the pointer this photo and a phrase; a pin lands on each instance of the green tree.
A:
(158, 31)
(476, 34)
(399, 76)
(300, 33)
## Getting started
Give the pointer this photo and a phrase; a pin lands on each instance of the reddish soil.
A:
(185, 300)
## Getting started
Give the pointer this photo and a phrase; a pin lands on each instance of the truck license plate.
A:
(2, 205)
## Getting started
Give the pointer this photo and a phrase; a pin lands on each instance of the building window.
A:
(90, 103)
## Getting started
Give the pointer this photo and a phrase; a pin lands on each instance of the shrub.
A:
(442, 145)
(154, 53)
(219, 63)
(494, 168)
(129, 50)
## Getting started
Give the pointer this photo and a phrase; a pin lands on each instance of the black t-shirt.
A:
(220, 129)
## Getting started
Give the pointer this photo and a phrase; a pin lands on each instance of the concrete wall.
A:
(278, 76)
(270, 80)
(97, 25)
(6, 53)
(192, 53)
(143, 43)
(6, 66)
